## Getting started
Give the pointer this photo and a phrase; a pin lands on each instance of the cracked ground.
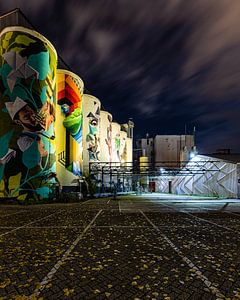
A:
(134, 247)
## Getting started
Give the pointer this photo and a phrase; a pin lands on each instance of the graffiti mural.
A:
(27, 114)
(123, 147)
(69, 99)
(108, 139)
(92, 137)
(105, 136)
(116, 142)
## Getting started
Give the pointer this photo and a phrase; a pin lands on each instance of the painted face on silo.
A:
(93, 125)
(92, 137)
(123, 150)
(28, 69)
(117, 145)
(108, 140)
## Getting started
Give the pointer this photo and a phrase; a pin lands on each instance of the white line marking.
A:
(119, 207)
(50, 275)
(207, 221)
(106, 226)
(44, 227)
(223, 211)
(190, 264)
(25, 225)
(231, 213)
(18, 212)
(198, 218)
(119, 226)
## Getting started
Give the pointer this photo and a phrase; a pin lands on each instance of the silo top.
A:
(104, 112)
(75, 76)
(31, 32)
(116, 125)
(92, 98)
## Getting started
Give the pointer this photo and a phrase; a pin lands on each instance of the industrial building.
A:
(171, 164)
(166, 150)
(51, 128)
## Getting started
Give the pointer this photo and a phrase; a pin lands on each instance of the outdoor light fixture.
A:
(162, 170)
(192, 154)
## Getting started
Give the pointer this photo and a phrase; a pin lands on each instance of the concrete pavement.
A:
(136, 247)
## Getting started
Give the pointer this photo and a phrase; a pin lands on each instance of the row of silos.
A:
(50, 131)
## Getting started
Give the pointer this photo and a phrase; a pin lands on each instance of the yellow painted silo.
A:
(144, 164)
(69, 121)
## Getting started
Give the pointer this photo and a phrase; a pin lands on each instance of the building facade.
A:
(167, 150)
(161, 155)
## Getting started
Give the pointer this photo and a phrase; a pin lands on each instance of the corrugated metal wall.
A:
(219, 179)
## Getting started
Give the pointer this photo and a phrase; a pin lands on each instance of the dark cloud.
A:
(165, 63)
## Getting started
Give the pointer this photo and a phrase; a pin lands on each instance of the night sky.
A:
(165, 63)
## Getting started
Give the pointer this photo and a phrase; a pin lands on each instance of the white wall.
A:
(219, 179)
(171, 147)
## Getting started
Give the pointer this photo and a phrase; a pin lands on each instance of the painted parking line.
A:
(103, 226)
(119, 207)
(222, 211)
(44, 227)
(25, 225)
(212, 287)
(208, 221)
(119, 226)
(15, 213)
(231, 213)
(50, 275)
(200, 219)
(142, 226)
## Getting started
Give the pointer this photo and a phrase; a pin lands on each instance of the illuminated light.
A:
(192, 155)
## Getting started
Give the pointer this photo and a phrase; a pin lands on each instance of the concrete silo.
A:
(116, 143)
(69, 120)
(91, 131)
(27, 114)
(106, 137)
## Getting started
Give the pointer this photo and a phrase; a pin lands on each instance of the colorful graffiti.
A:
(92, 137)
(108, 140)
(123, 147)
(118, 146)
(70, 91)
(27, 113)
